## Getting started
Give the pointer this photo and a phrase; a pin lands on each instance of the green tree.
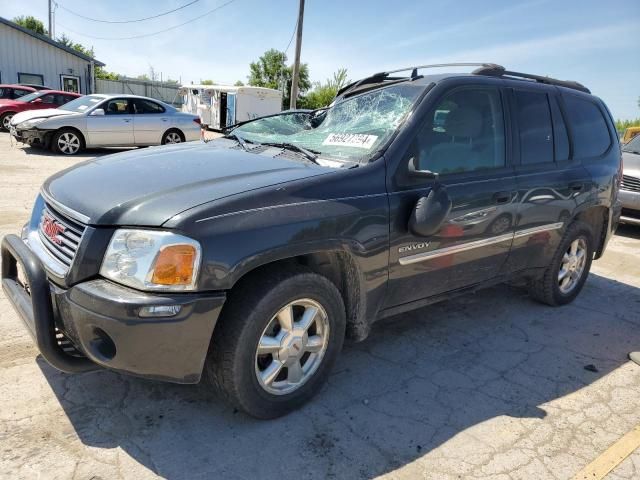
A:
(271, 71)
(622, 125)
(324, 93)
(32, 23)
(239, 84)
(207, 82)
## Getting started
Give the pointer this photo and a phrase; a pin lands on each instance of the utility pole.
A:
(296, 64)
(50, 19)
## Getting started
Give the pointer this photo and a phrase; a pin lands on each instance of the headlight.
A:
(152, 260)
(31, 123)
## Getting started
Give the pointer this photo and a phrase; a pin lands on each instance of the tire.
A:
(4, 121)
(550, 288)
(67, 142)
(236, 369)
(172, 136)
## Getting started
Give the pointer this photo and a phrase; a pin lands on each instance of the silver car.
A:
(105, 121)
(629, 193)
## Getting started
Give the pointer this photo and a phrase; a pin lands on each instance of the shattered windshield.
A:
(352, 130)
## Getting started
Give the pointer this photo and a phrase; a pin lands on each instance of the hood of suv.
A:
(148, 187)
(44, 113)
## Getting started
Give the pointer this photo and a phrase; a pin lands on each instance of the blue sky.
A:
(591, 41)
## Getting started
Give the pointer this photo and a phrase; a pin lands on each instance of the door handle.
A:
(165, 119)
(502, 197)
(126, 120)
(576, 186)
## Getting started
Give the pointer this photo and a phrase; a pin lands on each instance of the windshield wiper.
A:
(241, 141)
(311, 155)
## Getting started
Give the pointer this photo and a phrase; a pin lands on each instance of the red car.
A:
(32, 101)
(14, 91)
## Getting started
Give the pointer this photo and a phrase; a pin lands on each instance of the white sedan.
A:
(105, 121)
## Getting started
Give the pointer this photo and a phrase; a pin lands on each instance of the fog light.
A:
(160, 311)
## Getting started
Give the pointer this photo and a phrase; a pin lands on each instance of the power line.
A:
(153, 33)
(124, 21)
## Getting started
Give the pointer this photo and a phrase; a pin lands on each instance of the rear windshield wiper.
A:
(241, 141)
(311, 155)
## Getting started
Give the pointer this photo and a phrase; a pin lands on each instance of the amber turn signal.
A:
(175, 265)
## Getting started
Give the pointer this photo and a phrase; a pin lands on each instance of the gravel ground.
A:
(490, 385)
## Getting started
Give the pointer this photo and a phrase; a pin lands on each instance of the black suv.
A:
(249, 258)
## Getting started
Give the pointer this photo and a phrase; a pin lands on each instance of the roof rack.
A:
(500, 71)
(414, 70)
(486, 69)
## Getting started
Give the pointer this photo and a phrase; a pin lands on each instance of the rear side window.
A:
(146, 106)
(560, 135)
(536, 131)
(588, 127)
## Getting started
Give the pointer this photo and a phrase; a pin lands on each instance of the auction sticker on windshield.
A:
(358, 140)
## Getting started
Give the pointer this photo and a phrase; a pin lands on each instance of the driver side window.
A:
(117, 106)
(464, 133)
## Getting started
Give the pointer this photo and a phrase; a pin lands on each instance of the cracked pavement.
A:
(489, 385)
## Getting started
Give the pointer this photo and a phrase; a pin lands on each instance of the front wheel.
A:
(563, 280)
(278, 339)
(5, 120)
(67, 142)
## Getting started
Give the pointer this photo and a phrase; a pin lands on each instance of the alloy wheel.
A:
(173, 137)
(68, 143)
(6, 121)
(572, 266)
(292, 346)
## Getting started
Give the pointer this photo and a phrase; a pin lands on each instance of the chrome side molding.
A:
(441, 252)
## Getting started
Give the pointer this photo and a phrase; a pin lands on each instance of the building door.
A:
(70, 83)
(223, 110)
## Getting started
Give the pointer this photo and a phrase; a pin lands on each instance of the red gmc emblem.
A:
(52, 229)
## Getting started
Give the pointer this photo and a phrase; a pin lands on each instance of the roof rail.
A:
(500, 71)
(414, 70)
(386, 76)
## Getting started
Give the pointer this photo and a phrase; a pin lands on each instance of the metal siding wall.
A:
(22, 53)
(166, 92)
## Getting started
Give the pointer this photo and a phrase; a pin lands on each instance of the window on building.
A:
(534, 123)
(588, 127)
(31, 78)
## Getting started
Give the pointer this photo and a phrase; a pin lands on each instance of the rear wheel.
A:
(563, 280)
(277, 341)
(5, 119)
(67, 142)
(172, 136)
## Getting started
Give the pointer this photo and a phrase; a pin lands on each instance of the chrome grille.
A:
(630, 183)
(61, 240)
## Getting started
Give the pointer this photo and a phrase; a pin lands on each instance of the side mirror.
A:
(415, 172)
(98, 111)
(430, 212)
(37, 100)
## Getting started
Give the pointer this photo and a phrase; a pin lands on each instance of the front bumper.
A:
(102, 321)
(32, 136)
(630, 206)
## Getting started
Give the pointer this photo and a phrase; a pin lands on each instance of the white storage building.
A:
(28, 57)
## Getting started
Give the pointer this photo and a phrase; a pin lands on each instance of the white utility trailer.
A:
(222, 105)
